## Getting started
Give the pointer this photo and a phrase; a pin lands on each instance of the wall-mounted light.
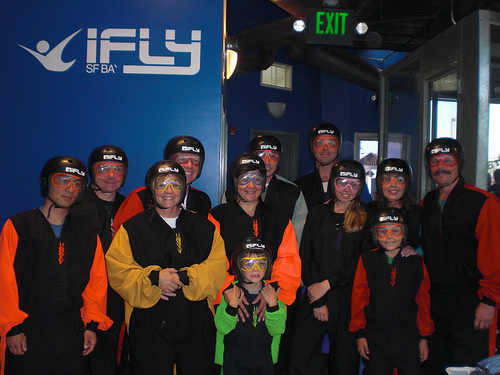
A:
(276, 109)
(299, 26)
(230, 59)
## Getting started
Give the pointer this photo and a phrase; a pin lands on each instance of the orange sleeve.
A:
(95, 294)
(488, 252)
(131, 206)
(424, 321)
(360, 299)
(10, 314)
(287, 266)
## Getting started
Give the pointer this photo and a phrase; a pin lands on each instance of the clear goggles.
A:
(104, 169)
(161, 183)
(184, 159)
(249, 264)
(320, 142)
(63, 180)
(383, 230)
(271, 155)
(245, 179)
(387, 179)
(449, 160)
(342, 183)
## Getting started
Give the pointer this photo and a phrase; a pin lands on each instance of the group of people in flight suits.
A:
(95, 283)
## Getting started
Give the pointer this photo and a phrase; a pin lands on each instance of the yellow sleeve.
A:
(206, 278)
(127, 277)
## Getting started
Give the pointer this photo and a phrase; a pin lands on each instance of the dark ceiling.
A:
(398, 25)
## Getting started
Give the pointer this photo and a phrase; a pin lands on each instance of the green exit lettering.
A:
(331, 23)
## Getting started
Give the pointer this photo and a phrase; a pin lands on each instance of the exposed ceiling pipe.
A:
(268, 38)
(337, 62)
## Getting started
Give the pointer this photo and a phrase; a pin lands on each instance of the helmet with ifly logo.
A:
(163, 168)
(244, 163)
(185, 144)
(250, 245)
(66, 165)
(444, 146)
(347, 168)
(107, 153)
(324, 128)
(393, 165)
(266, 144)
(387, 217)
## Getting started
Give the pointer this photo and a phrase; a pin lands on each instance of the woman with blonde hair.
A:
(334, 236)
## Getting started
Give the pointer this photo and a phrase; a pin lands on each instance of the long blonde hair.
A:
(355, 216)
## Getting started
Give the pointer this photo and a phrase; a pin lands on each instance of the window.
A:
(278, 76)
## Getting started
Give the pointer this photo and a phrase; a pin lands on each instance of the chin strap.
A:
(54, 204)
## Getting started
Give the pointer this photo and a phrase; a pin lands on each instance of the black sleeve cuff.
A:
(92, 326)
(488, 301)
(16, 330)
(183, 277)
(273, 308)
(319, 303)
(231, 310)
(154, 277)
(360, 334)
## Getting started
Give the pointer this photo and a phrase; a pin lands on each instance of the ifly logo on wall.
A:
(113, 43)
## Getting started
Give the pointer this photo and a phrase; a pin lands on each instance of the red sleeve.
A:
(424, 321)
(287, 266)
(131, 206)
(95, 294)
(360, 298)
(10, 314)
(488, 252)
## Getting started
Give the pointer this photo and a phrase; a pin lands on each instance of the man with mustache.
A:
(461, 245)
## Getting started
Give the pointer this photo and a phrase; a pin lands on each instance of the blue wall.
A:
(46, 113)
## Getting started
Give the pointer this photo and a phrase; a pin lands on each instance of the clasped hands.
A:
(169, 283)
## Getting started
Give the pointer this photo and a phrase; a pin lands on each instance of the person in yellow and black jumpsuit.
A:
(52, 279)
(166, 262)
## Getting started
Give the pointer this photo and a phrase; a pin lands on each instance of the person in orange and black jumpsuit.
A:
(247, 216)
(461, 246)
(52, 279)
(168, 264)
(390, 306)
(108, 167)
(190, 154)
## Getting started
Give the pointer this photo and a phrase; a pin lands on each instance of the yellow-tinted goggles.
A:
(161, 183)
(249, 264)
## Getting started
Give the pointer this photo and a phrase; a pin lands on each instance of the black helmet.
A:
(324, 128)
(347, 168)
(107, 153)
(164, 167)
(247, 245)
(445, 146)
(390, 215)
(244, 163)
(394, 165)
(185, 143)
(62, 164)
(265, 142)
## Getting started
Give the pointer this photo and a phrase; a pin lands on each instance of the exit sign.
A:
(330, 27)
